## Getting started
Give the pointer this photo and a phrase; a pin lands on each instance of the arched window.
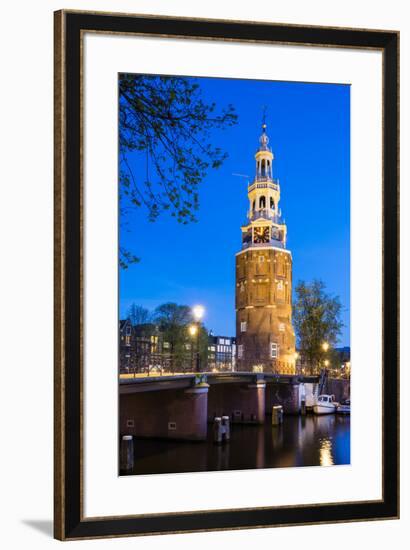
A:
(262, 202)
(263, 168)
(253, 205)
(272, 204)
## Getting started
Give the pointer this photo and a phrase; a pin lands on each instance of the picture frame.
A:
(70, 520)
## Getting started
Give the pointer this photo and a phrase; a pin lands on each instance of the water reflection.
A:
(326, 458)
(300, 441)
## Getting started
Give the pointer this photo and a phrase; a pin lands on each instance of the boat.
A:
(325, 404)
(343, 407)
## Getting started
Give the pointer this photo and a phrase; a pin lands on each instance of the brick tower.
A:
(264, 333)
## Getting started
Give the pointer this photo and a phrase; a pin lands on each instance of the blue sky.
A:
(309, 131)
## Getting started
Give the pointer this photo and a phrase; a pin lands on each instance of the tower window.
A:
(263, 168)
(274, 350)
(243, 326)
(253, 205)
(282, 327)
(272, 204)
(261, 259)
(280, 285)
(240, 351)
(262, 202)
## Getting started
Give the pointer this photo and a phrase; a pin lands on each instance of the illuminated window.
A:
(128, 340)
(282, 327)
(243, 326)
(240, 351)
(280, 285)
(274, 350)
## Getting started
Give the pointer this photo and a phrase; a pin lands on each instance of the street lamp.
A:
(197, 313)
(325, 346)
(193, 331)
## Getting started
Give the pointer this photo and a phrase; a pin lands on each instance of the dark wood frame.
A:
(69, 519)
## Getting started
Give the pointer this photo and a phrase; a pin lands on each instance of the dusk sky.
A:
(309, 130)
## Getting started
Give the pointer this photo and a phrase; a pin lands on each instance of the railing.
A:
(262, 182)
(266, 214)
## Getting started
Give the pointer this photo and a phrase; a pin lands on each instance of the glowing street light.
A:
(198, 312)
(193, 329)
(326, 362)
(325, 346)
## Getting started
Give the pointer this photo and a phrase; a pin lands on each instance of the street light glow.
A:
(325, 346)
(198, 312)
(326, 362)
(192, 330)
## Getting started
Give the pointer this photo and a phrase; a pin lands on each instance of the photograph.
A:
(226, 269)
(234, 274)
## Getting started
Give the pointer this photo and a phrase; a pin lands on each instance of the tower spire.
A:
(264, 332)
(264, 116)
(264, 139)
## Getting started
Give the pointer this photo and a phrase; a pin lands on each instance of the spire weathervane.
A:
(264, 109)
(264, 140)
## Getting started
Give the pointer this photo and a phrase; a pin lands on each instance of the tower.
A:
(264, 333)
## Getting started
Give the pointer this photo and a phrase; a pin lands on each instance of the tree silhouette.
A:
(165, 125)
(316, 317)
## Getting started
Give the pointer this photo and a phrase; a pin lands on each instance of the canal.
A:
(299, 441)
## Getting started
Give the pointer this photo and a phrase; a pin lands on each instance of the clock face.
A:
(261, 235)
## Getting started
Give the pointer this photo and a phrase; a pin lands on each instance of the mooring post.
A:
(277, 415)
(127, 453)
(218, 429)
(226, 428)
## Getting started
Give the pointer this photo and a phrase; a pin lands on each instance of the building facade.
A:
(221, 353)
(144, 349)
(264, 333)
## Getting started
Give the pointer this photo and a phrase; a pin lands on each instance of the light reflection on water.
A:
(300, 441)
(326, 458)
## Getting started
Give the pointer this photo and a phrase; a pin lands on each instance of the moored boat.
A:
(343, 407)
(325, 404)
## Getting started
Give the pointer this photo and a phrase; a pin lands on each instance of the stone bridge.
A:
(181, 406)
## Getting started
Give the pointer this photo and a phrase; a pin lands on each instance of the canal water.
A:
(299, 441)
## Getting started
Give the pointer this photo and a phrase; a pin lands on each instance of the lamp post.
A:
(197, 313)
(325, 348)
(193, 331)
